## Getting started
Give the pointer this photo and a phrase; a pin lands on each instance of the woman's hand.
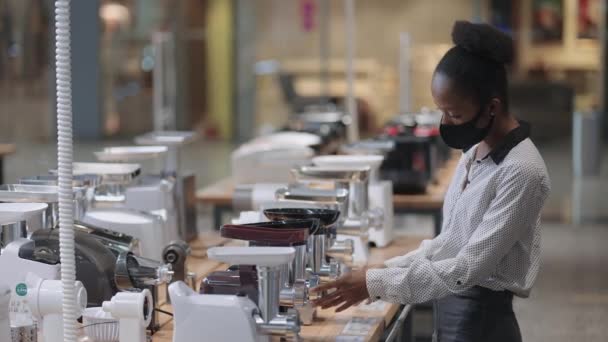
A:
(350, 290)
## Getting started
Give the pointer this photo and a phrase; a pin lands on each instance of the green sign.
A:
(21, 289)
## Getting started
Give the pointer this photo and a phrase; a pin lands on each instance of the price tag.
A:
(360, 326)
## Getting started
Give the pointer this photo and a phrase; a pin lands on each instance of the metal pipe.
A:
(299, 264)
(317, 252)
(358, 198)
(285, 279)
(269, 287)
(341, 249)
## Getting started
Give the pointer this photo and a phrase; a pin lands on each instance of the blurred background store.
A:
(235, 69)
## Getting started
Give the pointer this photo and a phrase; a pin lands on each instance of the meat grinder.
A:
(148, 228)
(294, 280)
(154, 193)
(185, 182)
(299, 196)
(380, 191)
(359, 219)
(44, 189)
(237, 318)
(109, 210)
(315, 269)
(22, 193)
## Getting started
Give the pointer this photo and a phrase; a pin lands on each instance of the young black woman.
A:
(489, 247)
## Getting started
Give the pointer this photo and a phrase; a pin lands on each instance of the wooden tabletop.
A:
(328, 325)
(221, 192)
(6, 149)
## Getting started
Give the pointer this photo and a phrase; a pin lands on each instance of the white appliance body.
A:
(45, 298)
(156, 195)
(133, 311)
(5, 325)
(212, 317)
(254, 163)
(14, 272)
(381, 196)
(147, 228)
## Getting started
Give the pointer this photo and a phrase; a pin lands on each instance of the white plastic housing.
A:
(267, 163)
(44, 298)
(156, 195)
(212, 317)
(381, 196)
(134, 313)
(18, 212)
(14, 270)
(130, 153)
(5, 326)
(148, 228)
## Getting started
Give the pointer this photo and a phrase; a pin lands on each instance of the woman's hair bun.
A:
(483, 40)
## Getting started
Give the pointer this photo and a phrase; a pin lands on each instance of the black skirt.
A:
(478, 315)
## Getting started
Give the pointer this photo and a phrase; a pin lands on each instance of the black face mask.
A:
(465, 135)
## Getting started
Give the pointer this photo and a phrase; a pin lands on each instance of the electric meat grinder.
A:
(147, 228)
(380, 191)
(21, 193)
(109, 208)
(43, 189)
(299, 196)
(316, 268)
(185, 182)
(293, 290)
(317, 251)
(35, 292)
(153, 193)
(358, 218)
(237, 318)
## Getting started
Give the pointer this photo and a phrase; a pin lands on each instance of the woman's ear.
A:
(495, 106)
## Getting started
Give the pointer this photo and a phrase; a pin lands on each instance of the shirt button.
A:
(377, 297)
(458, 282)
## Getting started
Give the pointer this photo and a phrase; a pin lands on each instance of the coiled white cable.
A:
(64, 160)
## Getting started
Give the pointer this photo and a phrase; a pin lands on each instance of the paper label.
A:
(21, 290)
(360, 326)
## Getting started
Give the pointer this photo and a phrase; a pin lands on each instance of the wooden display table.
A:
(374, 319)
(5, 150)
(219, 196)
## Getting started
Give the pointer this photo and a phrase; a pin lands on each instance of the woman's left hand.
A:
(350, 290)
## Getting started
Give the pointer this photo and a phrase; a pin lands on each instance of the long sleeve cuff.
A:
(374, 283)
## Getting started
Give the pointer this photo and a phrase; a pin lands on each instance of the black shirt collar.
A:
(512, 139)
